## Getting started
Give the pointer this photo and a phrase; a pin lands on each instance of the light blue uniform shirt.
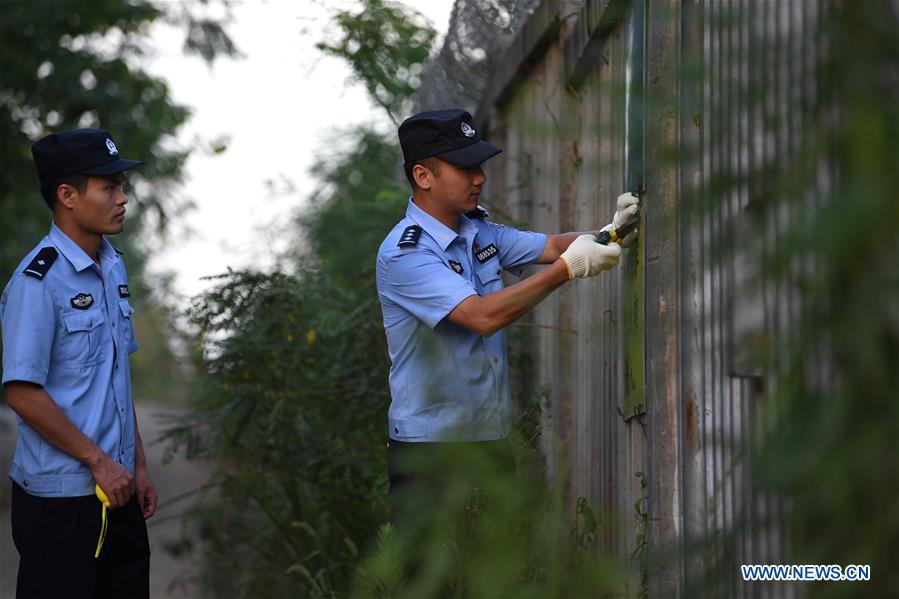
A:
(70, 332)
(447, 382)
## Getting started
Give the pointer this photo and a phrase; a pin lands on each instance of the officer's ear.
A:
(66, 194)
(68, 191)
(422, 176)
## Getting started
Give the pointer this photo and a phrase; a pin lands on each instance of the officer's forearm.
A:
(557, 244)
(140, 459)
(488, 314)
(41, 413)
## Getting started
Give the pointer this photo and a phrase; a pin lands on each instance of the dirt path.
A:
(169, 577)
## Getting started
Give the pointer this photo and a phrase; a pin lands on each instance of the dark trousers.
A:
(426, 478)
(57, 537)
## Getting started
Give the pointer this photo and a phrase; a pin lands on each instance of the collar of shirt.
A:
(442, 234)
(77, 256)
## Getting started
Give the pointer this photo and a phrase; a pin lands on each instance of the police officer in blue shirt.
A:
(439, 280)
(67, 334)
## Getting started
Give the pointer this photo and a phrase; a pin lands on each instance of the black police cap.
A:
(446, 134)
(78, 152)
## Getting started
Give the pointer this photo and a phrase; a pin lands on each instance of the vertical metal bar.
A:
(692, 113)
(725, 217)
(713, 206)
(635, 41)
(633, 283)
(702, 265)
(753, 79)
(664, 421)
(745, 393)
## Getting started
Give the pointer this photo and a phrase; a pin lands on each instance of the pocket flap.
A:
(126, 308)
(490, 273)
(83, 321)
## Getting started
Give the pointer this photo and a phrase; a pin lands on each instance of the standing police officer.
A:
(444, 305)
(67, 334)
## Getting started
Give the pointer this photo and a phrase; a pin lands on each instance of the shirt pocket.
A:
(129, 341)
(490, 276)
(82, 339)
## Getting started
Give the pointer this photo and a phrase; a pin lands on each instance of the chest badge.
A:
(123, 291)
(82, 301)
(456, 266)
(487, 253)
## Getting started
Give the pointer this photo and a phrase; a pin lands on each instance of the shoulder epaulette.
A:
(410, 236)
(42, 262)
(478, 212)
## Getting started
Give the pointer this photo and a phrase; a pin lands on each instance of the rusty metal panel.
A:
(718, 406)
(731, 133)
(708, 135)
(663, 401)
(531, 196)
(609, 452)
(596, 169)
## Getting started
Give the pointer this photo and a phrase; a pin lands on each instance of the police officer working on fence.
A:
(67, 335)
(444, 304)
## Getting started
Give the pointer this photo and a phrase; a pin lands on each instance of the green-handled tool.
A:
(616, 235)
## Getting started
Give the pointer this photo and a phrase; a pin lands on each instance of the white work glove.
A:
(586, 258)
(626, 207)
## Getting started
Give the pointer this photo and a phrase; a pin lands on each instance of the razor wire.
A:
(478, 35)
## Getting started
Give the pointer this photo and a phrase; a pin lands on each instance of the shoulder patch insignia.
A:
(478, 212)
(42, 262)
(410, 236)
(82, 301)
(456, 266)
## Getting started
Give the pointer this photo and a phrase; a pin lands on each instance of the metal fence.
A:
(650, 385)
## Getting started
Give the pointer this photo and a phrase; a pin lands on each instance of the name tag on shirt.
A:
(487, 253)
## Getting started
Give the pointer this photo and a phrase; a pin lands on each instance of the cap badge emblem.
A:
(113, 151)
(467, 130)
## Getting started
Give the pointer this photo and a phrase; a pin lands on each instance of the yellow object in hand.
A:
(104, 524)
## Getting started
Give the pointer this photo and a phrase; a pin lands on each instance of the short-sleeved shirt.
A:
(447, 382)
(70, 332)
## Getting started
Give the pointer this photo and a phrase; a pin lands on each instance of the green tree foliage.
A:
(292, 410)
(294, 402)
(361, 193)
(387, 46)
(359, 198)
(292, 407)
